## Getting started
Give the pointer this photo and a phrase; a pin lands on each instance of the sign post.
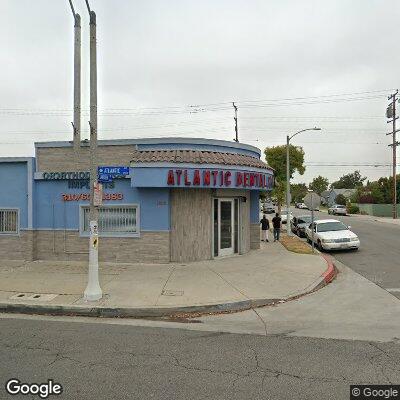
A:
(93, 290)
(312, 201)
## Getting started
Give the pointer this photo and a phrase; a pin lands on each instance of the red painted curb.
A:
(331, 272)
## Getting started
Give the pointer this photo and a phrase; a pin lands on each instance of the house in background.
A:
(329, 196)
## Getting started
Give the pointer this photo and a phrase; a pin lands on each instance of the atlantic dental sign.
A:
(219, 178)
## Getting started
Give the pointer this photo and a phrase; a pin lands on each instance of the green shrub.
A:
(353, 209)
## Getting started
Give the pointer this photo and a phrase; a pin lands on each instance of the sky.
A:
(173, 68)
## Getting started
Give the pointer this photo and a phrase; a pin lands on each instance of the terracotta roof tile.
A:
(197, 157)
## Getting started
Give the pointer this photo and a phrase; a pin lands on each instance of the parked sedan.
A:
(337, 209)
(331, 234)
(268, 209)
(299, 224)
(302, 206)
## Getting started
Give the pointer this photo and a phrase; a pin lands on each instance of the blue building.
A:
(184, 200)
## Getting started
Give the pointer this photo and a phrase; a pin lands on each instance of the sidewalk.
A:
(387, 220)
(261, 277)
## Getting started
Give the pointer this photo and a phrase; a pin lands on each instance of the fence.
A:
(378, 210)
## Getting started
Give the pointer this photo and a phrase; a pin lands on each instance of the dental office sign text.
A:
(218, 178)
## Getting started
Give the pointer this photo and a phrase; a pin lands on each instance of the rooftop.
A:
(197, 157)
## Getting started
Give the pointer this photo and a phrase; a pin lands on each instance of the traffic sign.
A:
(312, 201)
(113, 171)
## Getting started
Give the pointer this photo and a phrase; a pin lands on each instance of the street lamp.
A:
(288, 176)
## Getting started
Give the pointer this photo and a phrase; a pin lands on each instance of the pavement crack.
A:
(261, 319)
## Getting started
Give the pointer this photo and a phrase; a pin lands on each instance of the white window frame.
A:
(18, 221)
(111, 234)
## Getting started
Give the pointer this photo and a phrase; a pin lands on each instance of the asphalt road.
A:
(378, 258)
(100, 361)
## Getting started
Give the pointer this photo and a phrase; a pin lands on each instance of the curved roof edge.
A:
(161, 140)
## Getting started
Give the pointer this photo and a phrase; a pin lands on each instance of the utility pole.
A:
(76, 124)
(236, 123)
(391, 113)
(93, 290)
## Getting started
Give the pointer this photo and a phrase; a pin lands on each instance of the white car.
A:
(302, 206)
(331, 234)
(284, 216)
(337, 209)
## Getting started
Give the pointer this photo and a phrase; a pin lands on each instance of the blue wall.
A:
(14, 188)
(52, 212)
(254, 207)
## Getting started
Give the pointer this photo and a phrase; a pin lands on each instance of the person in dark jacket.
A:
(276, 223)
(264, 228)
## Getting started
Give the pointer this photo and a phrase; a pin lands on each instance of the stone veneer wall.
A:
(255, 236)
(19, 247)
(151, 247)
(191, 224)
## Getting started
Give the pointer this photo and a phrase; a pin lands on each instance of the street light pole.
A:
(288, 138)
(76, 124)
(288, 228)
(93, 290)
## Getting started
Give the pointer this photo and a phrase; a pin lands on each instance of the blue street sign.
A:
(104, 178)
(113, 171)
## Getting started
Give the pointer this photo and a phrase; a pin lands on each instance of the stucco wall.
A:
(245, 225)
(14, 188)
(52, 212)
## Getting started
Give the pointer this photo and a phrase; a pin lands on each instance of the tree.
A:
(319, 184)
(378, 192)
(278, 194)
(340, 199)
(276, 159)
(349, 181)
(298, 191)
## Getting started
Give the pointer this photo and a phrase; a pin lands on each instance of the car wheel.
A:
(319, 244)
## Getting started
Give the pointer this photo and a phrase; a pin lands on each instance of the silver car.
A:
(337, 209)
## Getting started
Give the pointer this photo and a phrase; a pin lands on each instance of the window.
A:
(332, 226)
(9, 222)
(113, 220)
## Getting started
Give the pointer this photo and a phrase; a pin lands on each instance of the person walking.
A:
(264, 228)
(276, 223)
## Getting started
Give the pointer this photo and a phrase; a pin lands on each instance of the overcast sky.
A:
(157, 58)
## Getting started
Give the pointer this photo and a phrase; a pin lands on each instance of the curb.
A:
(331, 272)
(127, 312)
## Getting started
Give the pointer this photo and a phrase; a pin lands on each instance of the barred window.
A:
(9, 221)
(113, 220)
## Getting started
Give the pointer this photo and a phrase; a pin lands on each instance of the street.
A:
(104, 361)
(378, 256)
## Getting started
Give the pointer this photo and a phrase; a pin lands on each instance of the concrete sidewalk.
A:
(386, 220)
(261, 277)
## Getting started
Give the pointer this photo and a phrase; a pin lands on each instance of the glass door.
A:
(226, 227)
